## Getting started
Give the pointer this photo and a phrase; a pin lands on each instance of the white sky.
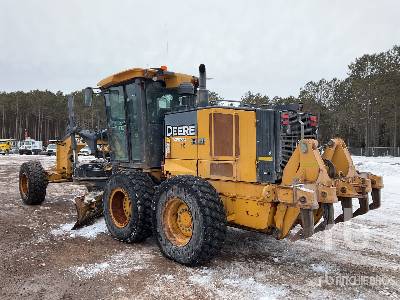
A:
(272, 47)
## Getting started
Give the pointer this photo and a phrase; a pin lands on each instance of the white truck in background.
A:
(30, 146)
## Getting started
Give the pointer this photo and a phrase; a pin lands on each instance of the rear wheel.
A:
(189, 220)
(127, 206)
(32, 182)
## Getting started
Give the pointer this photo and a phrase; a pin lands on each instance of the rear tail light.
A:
(313, 121)
(285, 119)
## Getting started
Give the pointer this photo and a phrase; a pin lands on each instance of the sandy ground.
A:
(41, 258)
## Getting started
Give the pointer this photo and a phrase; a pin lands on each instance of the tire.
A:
(193, 242)
(32, 183)
(127, 206)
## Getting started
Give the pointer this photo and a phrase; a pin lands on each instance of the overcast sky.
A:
(272, 47)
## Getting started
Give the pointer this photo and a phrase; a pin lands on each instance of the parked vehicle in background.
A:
(14, 150)
(30, 146)
(14, 146)
(5, 146)
(51, 149)
(85, 151)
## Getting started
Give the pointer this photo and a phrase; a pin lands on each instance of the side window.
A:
(158, 102)
(164, 102)
(116, 104)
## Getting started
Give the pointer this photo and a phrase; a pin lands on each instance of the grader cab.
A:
(184, 170)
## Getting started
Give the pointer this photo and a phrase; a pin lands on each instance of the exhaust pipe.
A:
(202, 96)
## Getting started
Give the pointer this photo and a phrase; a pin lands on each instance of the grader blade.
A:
(88, 208)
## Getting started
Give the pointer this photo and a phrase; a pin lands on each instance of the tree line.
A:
(362, 108)
(43, 115)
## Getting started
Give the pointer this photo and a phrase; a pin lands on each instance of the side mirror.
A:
(71, 114)
(88, 94)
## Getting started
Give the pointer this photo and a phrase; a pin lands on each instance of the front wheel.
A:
(189, 220)
(127, 205)
(32, 182)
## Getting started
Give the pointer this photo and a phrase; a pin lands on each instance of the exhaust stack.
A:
(202, 96)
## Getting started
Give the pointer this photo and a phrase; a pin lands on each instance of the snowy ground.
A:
(41, 258)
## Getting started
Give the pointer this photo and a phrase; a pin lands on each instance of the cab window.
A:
(116, 102)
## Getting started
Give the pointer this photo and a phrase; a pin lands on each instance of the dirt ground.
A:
(40, 258)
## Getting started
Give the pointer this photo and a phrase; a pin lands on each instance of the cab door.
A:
(135, 116)
(116, 119)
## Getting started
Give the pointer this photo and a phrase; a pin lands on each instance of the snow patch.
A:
(321, 268)
(231, 285)
(204, 278)
(89, 232)
(259, 290)
(90, 271)
(119, 264)
(383, 166)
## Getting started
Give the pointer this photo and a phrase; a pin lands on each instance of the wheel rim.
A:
(24, 184)
(120, 207)
(177, 222)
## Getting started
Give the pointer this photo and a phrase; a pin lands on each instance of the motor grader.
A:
(5, 146)
(184, 170)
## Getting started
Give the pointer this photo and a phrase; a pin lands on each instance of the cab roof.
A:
(171, 79)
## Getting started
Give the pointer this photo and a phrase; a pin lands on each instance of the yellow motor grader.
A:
(5, 146)
(184, 170)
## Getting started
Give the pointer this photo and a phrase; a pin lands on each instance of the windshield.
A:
(51, 146)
